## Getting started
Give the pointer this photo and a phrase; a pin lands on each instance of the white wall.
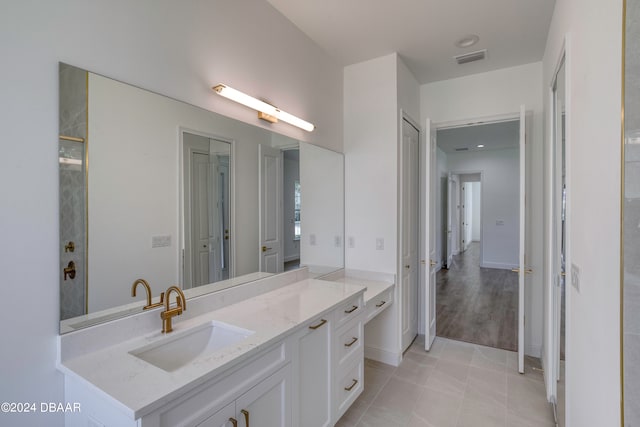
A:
(322, 201)
(500, 176)
(180, 49)
(593, 129)
(496, 93)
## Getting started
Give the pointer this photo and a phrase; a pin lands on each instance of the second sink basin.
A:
(177, 351)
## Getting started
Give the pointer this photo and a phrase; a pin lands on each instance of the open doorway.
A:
(477, 218)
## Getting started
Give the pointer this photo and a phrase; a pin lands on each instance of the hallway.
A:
(455, 384)
(477, 305)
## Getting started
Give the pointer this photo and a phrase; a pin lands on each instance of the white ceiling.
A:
(494, 136)
(424, 32)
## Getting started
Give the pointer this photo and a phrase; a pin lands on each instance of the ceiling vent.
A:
(462, 149)
(471, 56)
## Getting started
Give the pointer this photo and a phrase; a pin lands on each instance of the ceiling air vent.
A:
(471, 56)
(462, 149)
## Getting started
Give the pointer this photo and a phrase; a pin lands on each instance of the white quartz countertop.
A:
(138, 387)
(374, 287)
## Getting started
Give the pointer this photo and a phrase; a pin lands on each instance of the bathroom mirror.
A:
(157, 189)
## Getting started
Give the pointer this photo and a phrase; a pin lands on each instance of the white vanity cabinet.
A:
(348, 355)
(267, 404)
(312, 397)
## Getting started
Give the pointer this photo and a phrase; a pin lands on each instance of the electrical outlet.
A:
(575, 277)
(499, 222)
(352, 242)
(312, 239)
(380, 244)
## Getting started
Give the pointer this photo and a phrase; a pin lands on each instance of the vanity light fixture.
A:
(481, 146)
(265, 111)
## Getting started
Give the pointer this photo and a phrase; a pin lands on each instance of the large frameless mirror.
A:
(156, 189)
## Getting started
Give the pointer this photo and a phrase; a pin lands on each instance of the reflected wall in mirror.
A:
(154, 188)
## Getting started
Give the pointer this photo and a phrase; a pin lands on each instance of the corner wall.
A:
(594, 70)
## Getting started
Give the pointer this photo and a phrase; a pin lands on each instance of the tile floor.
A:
(455, 384)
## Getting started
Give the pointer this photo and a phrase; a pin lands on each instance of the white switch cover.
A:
(337, 240)
(160, 241)
(380, 244)
(575, 277)
(312, 239)
(352, 242)
(499, 221)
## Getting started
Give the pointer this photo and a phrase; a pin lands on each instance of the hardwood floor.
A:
(477, 305)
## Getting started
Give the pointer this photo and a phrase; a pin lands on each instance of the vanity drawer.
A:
(348, 387)
(379, 303)
(349, 310)
(349, 343)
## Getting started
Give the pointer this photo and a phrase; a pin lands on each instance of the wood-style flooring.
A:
(477, 305)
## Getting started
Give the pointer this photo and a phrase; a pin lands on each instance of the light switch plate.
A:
(312, 239)
(380, 244)
(337, 240)
(160, 241)
(352, 242)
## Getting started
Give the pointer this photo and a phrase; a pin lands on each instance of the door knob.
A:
(407, 266)
(432, 263)
(265, 249)
(527, 271)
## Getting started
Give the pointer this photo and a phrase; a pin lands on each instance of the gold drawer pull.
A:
(353, 341)
(352, 385)
(380, 304)
(234, 422)
(246, 416)
(351, 310)
(322, 322)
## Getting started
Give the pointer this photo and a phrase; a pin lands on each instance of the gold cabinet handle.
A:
(351, 310)
(246, 416)
(380, 304)
(234, 422)
(265, 249)
(70, 270)
(314, 327)
(352, 385)
(353, 341)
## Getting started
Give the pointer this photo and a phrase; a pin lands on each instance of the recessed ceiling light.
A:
(481, 146)
(468, 41)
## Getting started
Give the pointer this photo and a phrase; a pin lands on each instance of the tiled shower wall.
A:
(631, 287)
(73, 122)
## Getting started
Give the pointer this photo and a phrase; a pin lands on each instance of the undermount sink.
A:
(178, 350)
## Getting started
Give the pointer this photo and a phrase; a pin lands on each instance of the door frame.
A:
(420, 282)
(181, 198)
(550, 348)
(473, 172)
(433, 174)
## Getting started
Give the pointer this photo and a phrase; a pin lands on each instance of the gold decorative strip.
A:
(71, 138)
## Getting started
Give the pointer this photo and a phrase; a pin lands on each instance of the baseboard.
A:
(533, 351)
(383, 356)
(498, 265)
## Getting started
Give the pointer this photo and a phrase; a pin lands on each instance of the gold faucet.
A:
(148, 289)
(167, 314)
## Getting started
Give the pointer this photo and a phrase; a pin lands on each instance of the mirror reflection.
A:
(156, 189)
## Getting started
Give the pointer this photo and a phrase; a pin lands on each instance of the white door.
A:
(522, 270)
(428, 180)
(410, 208)
(451, 218)
(270, 195)
(200, 192)
(267, 404)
